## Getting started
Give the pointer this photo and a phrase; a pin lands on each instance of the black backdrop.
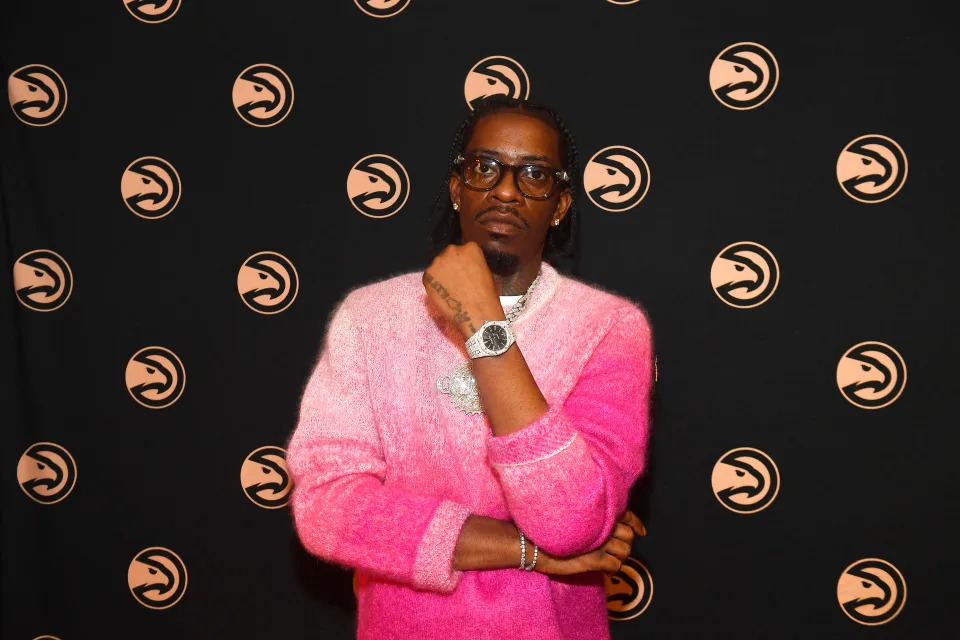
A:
(98, 479)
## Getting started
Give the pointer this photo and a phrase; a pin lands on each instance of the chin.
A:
(501, 262)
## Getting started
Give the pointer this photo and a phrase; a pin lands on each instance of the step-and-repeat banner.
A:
(188, 187)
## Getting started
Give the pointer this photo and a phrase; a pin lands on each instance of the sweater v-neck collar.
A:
(545, 288)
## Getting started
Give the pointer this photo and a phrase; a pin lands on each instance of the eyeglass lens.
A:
(485, 173)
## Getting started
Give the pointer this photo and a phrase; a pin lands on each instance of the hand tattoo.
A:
(460, 316)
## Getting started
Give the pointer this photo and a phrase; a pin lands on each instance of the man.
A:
(471, 458)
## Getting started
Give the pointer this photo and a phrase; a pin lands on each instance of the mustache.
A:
(503, 209)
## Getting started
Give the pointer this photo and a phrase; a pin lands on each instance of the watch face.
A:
(495, 337)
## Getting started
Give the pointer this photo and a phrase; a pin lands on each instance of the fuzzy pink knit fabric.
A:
(386, 468)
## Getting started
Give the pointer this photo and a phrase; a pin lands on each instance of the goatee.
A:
(500, 262)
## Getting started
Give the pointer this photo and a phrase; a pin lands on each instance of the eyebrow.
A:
(493, 152)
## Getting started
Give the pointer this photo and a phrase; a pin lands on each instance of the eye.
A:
(485, 167)
(536, 174)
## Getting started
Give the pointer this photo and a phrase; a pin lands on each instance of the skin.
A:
(464, 281)
(513, 137)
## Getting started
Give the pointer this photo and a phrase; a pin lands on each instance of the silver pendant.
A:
(461, 386)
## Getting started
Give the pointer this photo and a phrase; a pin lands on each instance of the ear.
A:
(563, 204)
(454, 186)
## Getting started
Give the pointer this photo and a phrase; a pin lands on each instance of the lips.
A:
(501, 228)
(497, 220)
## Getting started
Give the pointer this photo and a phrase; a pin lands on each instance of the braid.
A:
(561, 240)
(447, 229)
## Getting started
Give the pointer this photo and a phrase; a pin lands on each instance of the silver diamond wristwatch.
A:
(491, 339)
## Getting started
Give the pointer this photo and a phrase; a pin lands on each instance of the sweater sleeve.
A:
(566, 476)
(342, 510)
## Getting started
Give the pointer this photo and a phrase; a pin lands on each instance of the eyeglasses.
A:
(534, 180)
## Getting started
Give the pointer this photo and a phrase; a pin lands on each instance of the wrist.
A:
(542, 558)
(527, 556)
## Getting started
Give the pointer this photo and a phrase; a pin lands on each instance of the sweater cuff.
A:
(433, 567)
(548, 435)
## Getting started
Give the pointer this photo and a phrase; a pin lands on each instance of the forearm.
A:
(509, 393)
(489, 543)
(566, 475)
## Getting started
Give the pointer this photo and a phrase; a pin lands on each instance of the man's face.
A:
(511, 137)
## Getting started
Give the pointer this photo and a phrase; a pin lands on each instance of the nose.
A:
(506, 189)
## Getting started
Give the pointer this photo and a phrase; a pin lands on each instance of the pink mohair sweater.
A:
(386, 468)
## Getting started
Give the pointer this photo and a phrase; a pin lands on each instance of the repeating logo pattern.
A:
(744, 75)
(378, 186)
(745, 480)
(870, 169)
(744, 274)
(150, 187)
(152, 11)
(871, 375)
(268, 282)
(630, 591)
(496, 75)
(382, 8)
(38, 95)
(157, 578)
(155, 377)
(616, 178)
(46, 472)
(42, 280)
(871, 591)
(264, 477)
(263, 95)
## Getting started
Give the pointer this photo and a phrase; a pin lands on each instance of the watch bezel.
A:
(475, 344)
(493, 328)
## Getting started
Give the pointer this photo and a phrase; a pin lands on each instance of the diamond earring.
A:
(456, 207)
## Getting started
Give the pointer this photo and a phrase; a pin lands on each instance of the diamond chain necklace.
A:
(518, 306)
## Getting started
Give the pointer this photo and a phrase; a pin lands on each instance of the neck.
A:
(517, 283)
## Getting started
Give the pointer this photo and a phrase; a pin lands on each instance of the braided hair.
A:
(562, 241)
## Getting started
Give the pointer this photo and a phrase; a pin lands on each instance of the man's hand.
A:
(460, 285)
(607, 558)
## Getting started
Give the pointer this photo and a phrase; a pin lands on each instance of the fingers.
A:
(620, 544)
(630, 519)
(622, 532)
(611, 565)
(616, 547)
